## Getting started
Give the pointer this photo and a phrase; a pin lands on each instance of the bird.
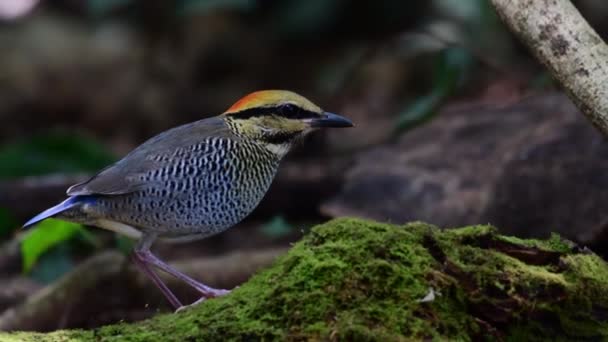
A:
(194, 180)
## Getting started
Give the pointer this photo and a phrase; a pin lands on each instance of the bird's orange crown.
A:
(271, 98)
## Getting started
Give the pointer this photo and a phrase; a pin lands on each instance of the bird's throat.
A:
(280, 150)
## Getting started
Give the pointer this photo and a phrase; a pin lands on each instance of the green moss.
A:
(554, 243)
(565, 299)
(360, 280)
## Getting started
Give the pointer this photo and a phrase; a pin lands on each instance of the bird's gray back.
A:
(124, 176)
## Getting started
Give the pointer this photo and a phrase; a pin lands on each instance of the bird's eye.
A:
(289, 110)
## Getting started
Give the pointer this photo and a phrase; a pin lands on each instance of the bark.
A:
(563, 41)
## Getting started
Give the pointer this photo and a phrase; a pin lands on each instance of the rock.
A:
(359, 280)
(529, 168)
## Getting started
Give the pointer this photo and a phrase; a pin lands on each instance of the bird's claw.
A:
(206, 295)
(216, 293)
(184, 307)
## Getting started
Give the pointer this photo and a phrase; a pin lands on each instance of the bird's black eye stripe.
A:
(292, 111)
(288, 110)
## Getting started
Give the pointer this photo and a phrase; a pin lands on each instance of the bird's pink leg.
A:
(141, 263)
(206, 291)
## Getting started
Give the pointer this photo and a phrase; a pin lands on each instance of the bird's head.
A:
(277, 118)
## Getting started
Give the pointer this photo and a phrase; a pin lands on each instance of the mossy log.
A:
(359, 280)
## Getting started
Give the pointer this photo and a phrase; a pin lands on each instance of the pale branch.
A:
(563, 41)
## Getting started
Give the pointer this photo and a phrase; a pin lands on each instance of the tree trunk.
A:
(563, 41)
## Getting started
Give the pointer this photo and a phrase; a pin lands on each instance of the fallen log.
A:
(361, 280)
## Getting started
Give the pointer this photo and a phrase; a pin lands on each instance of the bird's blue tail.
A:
(63, 206)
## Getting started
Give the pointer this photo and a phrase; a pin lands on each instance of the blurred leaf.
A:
(466, 10)
(52, 153)
(276, 227)
(124, 244)
(103, 7)
(452, 64)
(480, 30)
(89, 239)
(53, 264)
(421, 110)
(185, 7)
(336, 74)
(7, 223)
(294, 17)
(43, 237)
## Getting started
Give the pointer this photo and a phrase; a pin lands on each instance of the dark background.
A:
(456, 123)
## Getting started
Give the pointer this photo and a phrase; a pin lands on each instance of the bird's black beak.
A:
(331, 120)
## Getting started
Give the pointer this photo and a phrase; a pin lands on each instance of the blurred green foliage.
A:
(46, 235)
(52, 153)
(466, 34)
(124, 244)
(47, 251)
(277, 227)
(304, 17)
(186, 7)
(103, 7)
(99, 8)
(451, 67)
(54, 263)
(40, 155)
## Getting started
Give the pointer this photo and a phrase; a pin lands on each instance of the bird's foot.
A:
(212, 293)
(209, 293)
(185, 307)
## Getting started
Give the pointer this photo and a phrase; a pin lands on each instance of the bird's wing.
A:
(123, 176)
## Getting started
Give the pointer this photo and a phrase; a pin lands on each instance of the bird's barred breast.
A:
(202, 190)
